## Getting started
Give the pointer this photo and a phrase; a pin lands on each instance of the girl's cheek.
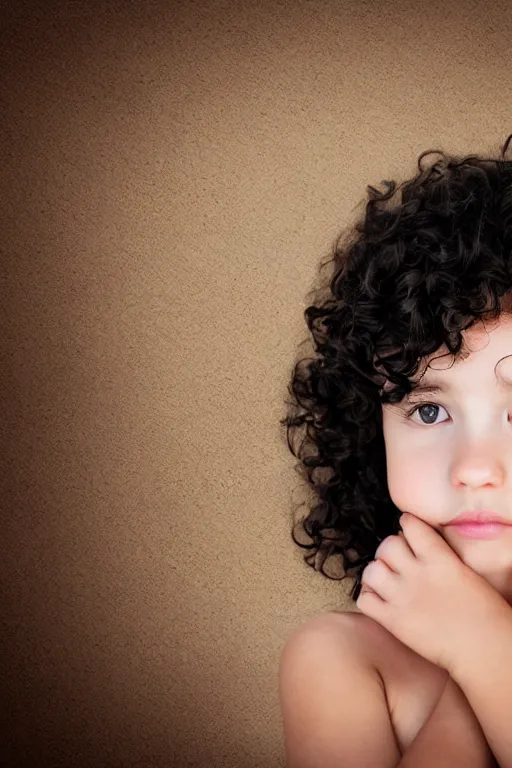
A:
(415, 487)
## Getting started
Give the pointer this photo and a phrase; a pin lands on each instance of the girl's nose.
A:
(477, 469)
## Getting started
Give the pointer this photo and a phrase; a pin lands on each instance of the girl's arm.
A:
(451, 738)
(484, 673)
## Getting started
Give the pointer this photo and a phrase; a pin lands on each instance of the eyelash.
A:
(410, 411)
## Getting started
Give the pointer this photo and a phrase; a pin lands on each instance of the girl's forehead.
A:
(484, 344)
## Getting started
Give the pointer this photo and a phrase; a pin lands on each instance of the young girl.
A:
(406, 407)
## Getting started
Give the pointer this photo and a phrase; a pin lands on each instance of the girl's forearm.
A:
(451, 737)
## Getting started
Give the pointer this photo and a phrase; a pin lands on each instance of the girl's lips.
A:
(478, 516)
(472, 530)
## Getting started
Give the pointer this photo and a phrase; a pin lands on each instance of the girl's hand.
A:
(423, 593)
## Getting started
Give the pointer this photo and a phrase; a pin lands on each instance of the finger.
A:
(406, 543)
(422, 539)
(395, 552)
(402, 536)
(380, 578)
(365, 589)
(372, 605)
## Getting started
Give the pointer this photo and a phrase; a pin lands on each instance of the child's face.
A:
(454, 454)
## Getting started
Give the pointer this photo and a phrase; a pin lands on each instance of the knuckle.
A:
(387, 545)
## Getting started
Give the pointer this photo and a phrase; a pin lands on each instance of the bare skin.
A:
(352, 694)
(413, 684)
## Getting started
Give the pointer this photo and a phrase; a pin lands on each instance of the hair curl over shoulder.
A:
(414, 272)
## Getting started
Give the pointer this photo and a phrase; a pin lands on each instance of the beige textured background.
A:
(172, 176)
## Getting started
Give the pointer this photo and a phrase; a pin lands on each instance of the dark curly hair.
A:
(409, 277)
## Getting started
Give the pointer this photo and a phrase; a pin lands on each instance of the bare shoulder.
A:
(333, 699)
(412, 684)
(337, 621)
(348, 627)
(335, 640)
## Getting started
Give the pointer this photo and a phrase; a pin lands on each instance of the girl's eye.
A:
(427, 412)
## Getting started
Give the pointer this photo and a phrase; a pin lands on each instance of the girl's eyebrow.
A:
(431, 389)
(434, 389)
